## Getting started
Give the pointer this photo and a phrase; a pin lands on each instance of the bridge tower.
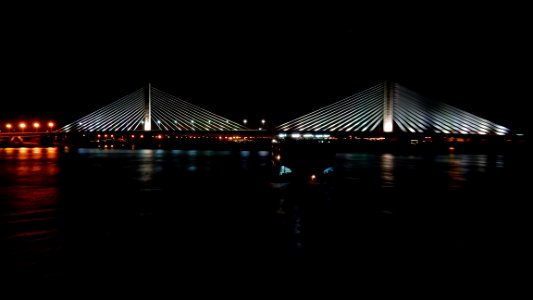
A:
(148, 109)
(388, 108)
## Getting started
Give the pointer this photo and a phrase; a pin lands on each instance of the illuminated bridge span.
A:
(150, 109)
(390, 107)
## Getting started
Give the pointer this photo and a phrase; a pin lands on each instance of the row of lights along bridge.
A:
(22, 126)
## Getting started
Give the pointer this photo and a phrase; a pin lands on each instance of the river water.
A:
(152, 215)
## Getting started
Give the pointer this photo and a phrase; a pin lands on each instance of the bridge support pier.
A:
(388, 108)
(148, 109)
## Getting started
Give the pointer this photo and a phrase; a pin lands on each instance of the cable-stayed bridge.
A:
(150, 109)
(389, 107)
(384, 108)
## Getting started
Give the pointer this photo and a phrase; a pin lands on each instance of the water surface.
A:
(144, 214)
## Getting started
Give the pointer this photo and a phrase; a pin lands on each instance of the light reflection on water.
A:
(143, 201)
(29, 211)
(146, 168)
(456, 171)
(30, 178)
(387, 170)
(452, 171)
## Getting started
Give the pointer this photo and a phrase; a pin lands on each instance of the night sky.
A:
(266, 62)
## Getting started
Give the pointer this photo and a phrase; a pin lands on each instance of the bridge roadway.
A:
(46, 138)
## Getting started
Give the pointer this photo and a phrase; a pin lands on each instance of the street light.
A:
(263, 122)
(244, 121)
(8, 126)
(22, 126)
(51, 125)
(36, 126)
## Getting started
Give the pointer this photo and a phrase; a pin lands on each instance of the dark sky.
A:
(255, 62)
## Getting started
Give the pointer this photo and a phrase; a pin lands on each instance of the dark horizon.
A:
(271, 65)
